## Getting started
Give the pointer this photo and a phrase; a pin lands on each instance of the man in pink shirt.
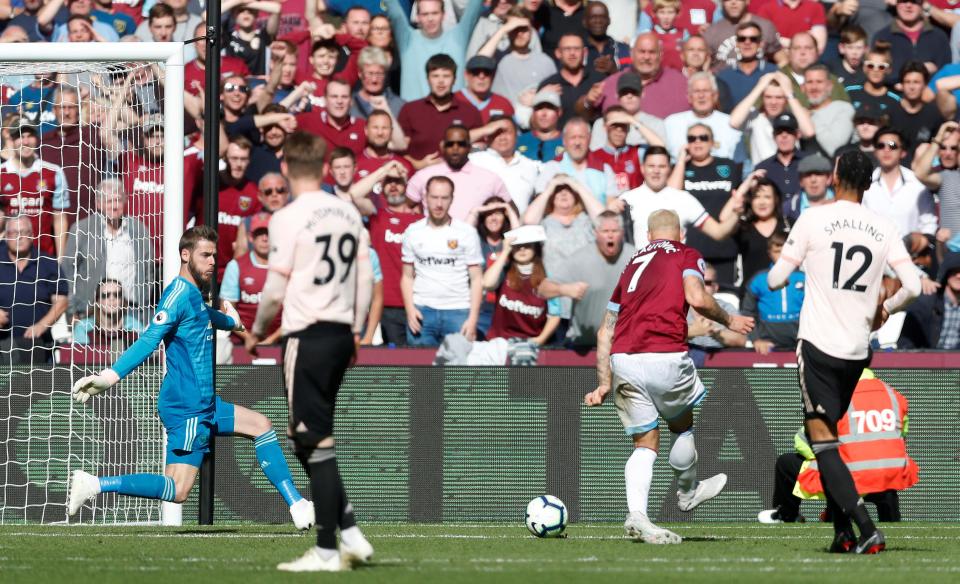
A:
(663, 88)
(473, 184)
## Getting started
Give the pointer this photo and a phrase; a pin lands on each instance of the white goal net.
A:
(91, 196)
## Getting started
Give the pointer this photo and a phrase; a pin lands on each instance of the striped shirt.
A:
(949, 195)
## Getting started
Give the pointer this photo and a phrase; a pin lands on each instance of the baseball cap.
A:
(527, 234)
(785, 121)
(869, 112)
(259, 221)
(815, 163)
(629, 81)
(481, 63)
(546, 98)
(24, 126)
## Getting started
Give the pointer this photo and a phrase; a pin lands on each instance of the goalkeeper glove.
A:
(94, 384)
(230, 311)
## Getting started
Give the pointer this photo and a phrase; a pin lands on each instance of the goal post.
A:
(43, 434)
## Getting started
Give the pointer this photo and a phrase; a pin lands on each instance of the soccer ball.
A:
(546, 516)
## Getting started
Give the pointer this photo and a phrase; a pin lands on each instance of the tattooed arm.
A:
(704, 303)
(604, 340)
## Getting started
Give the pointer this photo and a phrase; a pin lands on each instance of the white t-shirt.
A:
(519, 175)
(316, 242)
(643, 202)
(440, 257)
(909, 205)
(843, 249)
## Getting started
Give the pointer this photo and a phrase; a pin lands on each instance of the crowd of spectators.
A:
(455, 125)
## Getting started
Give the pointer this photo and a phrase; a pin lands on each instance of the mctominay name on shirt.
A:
(854, 225)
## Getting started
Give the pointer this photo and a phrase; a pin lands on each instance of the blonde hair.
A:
(658, 4)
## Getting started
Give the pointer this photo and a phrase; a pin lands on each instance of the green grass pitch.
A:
(460, 554)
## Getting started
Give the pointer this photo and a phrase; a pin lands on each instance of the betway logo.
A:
(147, 187)
(247, 298)
(391, 237)
(227, 219)
(521, 307)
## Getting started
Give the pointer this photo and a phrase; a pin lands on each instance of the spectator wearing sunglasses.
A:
(874, 90)
(898, 195)
(473, 184)
(721, 35)
(913, 38)
(750, 65)
(711, 180)
(111, 325)
(273, 194)
(944, 181)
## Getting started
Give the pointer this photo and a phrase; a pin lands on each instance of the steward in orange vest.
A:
(871, 443)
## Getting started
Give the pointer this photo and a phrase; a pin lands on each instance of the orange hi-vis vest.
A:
(871, 443)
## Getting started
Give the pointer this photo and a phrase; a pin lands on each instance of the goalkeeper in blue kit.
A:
(188, 408)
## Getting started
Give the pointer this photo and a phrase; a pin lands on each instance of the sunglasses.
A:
(228, 87)
(748, 39)
(698, 138)
(278, 191)
(709, 282)
(523, 246)
(453, 143)
(106, 295)
(872, 65)
(949, 148)
(859, 121)
(917, 2)
(888, 145)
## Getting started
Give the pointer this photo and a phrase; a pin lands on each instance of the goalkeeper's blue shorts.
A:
(189, 440)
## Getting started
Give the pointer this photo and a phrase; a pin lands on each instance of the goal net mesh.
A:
(81, 181)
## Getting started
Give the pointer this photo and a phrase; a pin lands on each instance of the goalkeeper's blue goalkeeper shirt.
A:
(185, 325)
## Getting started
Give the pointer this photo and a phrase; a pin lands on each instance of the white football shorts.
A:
(649, 385)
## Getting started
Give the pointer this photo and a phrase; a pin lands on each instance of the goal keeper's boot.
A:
(639, 528)
(843, 542)
(303, 514)
(315, 560)
(873, 544)
(705, 490)
(83, 487)
(354, 547)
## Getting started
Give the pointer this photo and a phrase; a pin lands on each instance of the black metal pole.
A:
(211, 208)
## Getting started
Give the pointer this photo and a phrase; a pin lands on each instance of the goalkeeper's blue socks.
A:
(274, 465)
(150, 486)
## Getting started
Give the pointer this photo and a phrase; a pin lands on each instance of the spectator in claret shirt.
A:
(194, 72)
(621, 158)
(238, 199)
(491, 220)
(244, 278)
(388, 214)
(671, 37)
(424, 121)
(795, 16)
(334, 123)
(478, 91)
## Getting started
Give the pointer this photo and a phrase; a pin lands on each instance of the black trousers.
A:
(393, 326)
(786, 472)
